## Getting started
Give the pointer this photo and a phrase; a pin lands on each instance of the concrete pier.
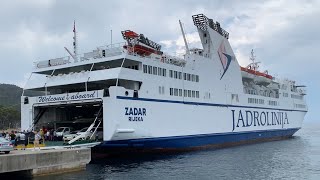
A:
(45, 161)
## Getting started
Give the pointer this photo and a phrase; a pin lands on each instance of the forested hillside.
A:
(10, 105)
(10, 95)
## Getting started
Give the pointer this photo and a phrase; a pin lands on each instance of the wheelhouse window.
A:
(180, 92)
(145, 70)
(189, 93)
(149, 69)
(155, 70)
(159, 71)
(171, 91)
(175, 91)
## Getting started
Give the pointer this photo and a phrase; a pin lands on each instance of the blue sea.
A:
(295, 158)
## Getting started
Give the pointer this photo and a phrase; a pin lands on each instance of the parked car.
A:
(62, 131)
(5, 145)
(68, 137)
(86, 135)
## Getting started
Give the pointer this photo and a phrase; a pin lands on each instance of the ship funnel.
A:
(202, 22)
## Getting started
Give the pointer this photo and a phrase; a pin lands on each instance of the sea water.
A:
(294, 158)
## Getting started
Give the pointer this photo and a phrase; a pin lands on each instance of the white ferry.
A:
(145, 99)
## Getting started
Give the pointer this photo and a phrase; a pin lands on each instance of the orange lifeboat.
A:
(257, 73)
(257, 76)
(140, 44)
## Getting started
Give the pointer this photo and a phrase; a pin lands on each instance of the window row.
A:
(296, 96)
(255, 101)
(300, 106)
(185, 76)
(135, 67)
(154, 70)
(273, 103)
(252, 91)
(186, 93)
(285, 94)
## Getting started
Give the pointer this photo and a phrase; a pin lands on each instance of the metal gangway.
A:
(96, 120)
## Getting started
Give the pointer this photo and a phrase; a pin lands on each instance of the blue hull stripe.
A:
(201, 103)
(199, 140)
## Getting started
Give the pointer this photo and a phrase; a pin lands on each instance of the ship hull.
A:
(190, 125)
(193, 142)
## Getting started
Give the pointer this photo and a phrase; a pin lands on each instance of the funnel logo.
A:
(224, 58)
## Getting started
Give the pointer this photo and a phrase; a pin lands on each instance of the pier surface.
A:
(45, 161)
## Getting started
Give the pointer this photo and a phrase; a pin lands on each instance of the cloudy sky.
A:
(284, 34)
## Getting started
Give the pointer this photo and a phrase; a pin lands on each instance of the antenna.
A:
(253, 57)
(254, 65)
(75, 45)
(184, 38)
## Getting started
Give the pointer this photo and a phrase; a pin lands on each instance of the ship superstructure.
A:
(152, 100)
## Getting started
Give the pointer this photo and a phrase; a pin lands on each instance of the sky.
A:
(283, 33)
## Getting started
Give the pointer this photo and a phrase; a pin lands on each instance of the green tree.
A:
(9, 117)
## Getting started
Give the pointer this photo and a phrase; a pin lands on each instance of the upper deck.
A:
(101, 54)
(99, 65)
(96, 56)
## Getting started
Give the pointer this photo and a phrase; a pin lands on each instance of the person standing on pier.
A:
(42, 134)
(48, 135)
(22, 141)
(37, 138)
(13, 138)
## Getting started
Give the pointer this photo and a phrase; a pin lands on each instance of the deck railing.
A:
(100, 52)
(108, 51)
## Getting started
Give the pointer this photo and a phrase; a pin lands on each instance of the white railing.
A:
(108, 51)
(165, 58)
(52, 62)
(175, 60)
(100, 52)
(110, 46)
